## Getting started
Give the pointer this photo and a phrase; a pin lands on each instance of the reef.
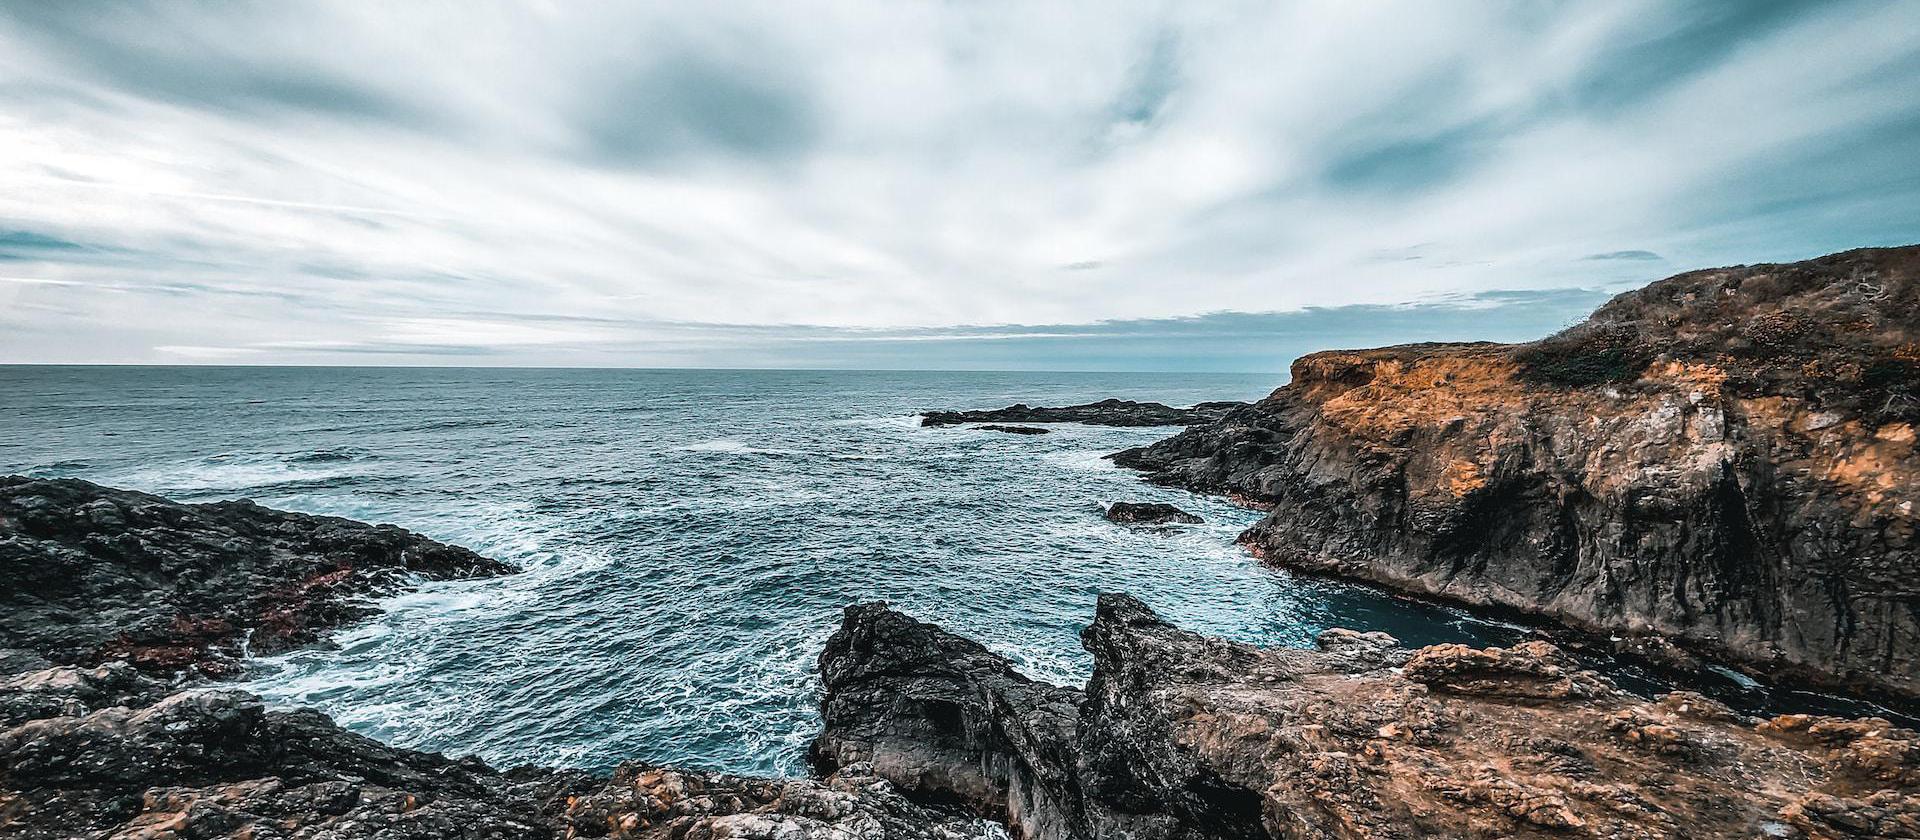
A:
(1721, 464)
(1111, 412)
(1013, 430)
(1149, 513)
(1179, 735)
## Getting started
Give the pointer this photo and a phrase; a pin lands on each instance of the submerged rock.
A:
(1103, 413)
(90, 574)
(1149, 513)
(1723, 463)
(1179, 735)
(1013, 430)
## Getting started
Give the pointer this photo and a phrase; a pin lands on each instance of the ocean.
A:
(688, 537)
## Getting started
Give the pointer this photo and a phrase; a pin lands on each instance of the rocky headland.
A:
(1103, 413)
(1720, 464)
(90, 575)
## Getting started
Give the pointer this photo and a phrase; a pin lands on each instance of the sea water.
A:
(688, 538)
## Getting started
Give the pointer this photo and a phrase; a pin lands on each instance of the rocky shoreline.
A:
(926, 734)
(1180, 735)
(1110, 412)
(1721, 465)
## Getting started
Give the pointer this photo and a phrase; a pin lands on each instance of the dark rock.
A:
(1182, 737)
(1013, 430)
(90, 574)
(1102, 413)
(108, 750)
(1721, 464)
(1149, 513)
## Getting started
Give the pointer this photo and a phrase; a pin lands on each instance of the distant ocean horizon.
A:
(689, 536)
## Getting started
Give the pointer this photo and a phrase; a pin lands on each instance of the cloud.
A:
(290, 177)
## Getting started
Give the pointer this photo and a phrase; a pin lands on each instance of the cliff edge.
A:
(1723, 461)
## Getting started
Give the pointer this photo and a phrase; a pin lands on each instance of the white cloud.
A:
(302, 179)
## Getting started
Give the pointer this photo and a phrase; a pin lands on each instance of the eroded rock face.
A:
(1724, 460)
(90, 574)
(1102, 413)
(1184, 736)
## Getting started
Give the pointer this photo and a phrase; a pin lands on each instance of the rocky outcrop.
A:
(91, 759)
(90, 574)
(1102, 413)
(1178, 735)
(1724, 460)
(1149, 513)
(1013, 430)
(148, 595)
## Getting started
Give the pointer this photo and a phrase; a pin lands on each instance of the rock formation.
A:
(1724, 461)
(106, 752)
(1013, 430)
(1178, 735)
(89, 574)
(1102, 413)
(1149, 513)
(145, 598)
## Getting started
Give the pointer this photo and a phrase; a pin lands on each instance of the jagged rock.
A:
(109, 751)
(1149, 513)
(1013, 430)
(1722, 463)
(1103, 413)
(1183, 736)
(90, 574)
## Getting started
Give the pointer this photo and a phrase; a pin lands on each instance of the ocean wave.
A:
(730, 446)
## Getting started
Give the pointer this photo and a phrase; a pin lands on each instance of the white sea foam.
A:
(729, 446)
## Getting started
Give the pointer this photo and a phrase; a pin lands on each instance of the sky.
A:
(988, 185)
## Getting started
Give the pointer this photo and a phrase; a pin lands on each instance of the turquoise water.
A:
(689, 537)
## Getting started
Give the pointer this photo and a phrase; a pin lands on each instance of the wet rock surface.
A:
(132, 745)
(1721, 464)
(1179, 735)
(1149, 513)
(213, 763)
(90, 574)
(1013, 430)
(1103, 413)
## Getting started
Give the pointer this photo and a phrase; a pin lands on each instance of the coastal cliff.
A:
(1177, 736)
(1722, 463)
(1180, 736)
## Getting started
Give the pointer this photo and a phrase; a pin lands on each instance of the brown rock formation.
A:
(1183, 736)
(1724, 459)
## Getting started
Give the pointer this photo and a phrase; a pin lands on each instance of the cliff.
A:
(1181, 737)
(1721, 463)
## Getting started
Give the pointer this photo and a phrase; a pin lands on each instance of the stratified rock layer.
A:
(91, 574)
(1183, 736)
(1103, 413)
(1725, 459)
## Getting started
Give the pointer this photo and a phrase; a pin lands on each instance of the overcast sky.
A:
(905, 184)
